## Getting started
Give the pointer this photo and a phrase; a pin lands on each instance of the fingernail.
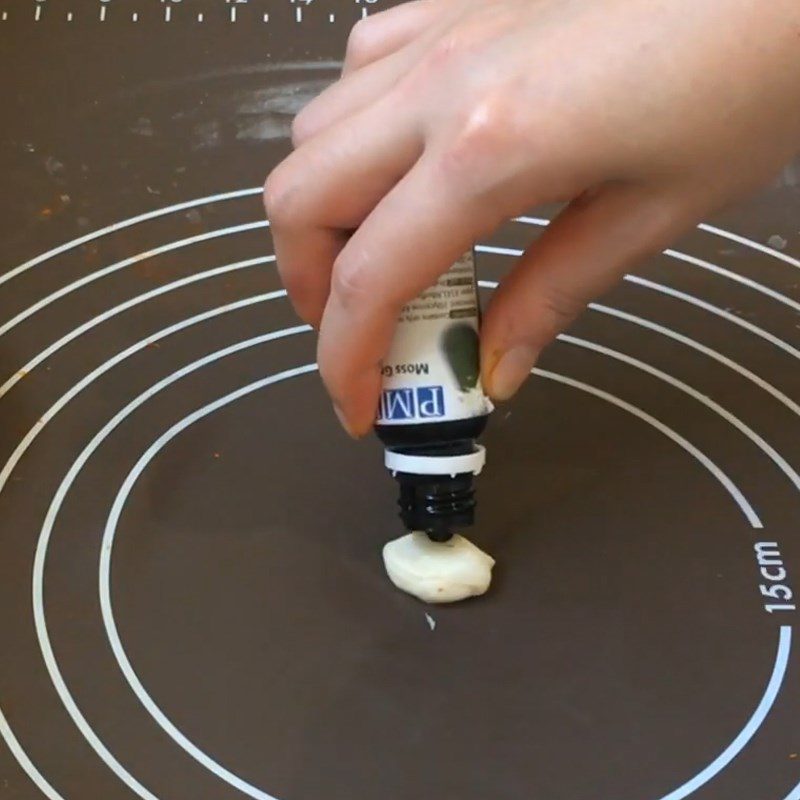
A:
(511, 371)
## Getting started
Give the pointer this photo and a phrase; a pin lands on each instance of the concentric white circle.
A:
(785, 637)
(729, 753)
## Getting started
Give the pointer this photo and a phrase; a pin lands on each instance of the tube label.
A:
(432, 371)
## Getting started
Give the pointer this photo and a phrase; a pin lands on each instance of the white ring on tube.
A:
(436, 465)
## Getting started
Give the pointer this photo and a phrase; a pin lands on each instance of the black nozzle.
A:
(437, 504)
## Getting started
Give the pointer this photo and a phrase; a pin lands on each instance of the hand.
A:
(452, 116)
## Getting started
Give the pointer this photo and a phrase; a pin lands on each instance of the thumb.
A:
(583, 252)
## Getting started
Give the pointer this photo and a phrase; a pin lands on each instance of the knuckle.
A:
(310, 119)
(485, 126)
(360, 43)
(483, 134)
(302, 128)
(440, 62)
(465, 38)
(350, 281)
(280, 199)
(461, 40)
(445, 51)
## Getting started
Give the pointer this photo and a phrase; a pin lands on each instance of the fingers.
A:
(382, 49)
(350, 95)
(326, 189)
(378, 36)
(582, 253)
(413, 235)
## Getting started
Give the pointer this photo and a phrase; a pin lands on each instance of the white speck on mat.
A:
(431, 622)
(777, 242)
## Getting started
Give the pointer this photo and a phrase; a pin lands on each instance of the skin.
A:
(453, 116)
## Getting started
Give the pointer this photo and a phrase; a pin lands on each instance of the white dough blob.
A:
(437, 572)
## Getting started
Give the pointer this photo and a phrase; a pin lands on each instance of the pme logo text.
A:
(412, 403)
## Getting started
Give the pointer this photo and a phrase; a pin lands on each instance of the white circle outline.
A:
(125, 262)
(38, 590)
(125, 223)
(75, 333)
(250, 344)
(44, 419)
(143, 787)
(41, 552)
(58, 499)
(738, 744)
(256, 190)
(537, 221)
(195, 277)
(688, 298)
(281, 293)
(167, 331)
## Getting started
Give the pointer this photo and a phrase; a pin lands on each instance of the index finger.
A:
(326, 188)
(413, 235)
